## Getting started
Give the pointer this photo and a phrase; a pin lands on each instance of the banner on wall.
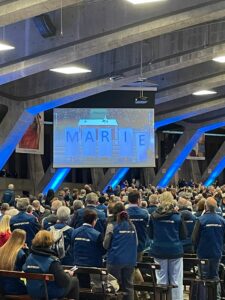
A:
(198, 152)
(33, 140)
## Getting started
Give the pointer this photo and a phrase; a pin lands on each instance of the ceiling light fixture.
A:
(143, 1)
(220, 59)
(4, 46)
(70, 70)
(204, 92)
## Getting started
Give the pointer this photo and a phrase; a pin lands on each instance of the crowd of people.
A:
(114, 230)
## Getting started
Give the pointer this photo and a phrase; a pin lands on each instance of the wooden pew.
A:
(28, 276)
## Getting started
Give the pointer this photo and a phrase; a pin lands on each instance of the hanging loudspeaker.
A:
(44, 25)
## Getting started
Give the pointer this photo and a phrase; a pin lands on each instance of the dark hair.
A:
(133, 197)
(118, 207)
(101, 200)
(89, 216)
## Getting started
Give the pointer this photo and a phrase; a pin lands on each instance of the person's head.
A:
(134, 197)
(56, 204)
(30, 209)
(22, 204)
(153, 199)
(182, 203)
(101, 200)
(41, 197)
(91, 199)
(77, 204)
(144, 204)
(166, 201)
(50, 194)
(90, 217)
(61, 194)
(63, 214)
(43, 239)
(36, 204)
(66, 190)
(210, 204)
(4, 208)
(82, 193)
(9, 251)
(201, 205)
(87, 188)
(5, 224)
(12, 212)
(11, 186)
(118, 207)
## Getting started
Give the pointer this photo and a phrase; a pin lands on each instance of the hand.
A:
(69, 272)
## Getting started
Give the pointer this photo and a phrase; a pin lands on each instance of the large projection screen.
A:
(100, 137)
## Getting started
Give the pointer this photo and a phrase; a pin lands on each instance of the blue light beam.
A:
(117, 177)
(56, 180)
(215, 173)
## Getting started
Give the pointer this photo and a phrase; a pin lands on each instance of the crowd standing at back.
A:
(112, 229)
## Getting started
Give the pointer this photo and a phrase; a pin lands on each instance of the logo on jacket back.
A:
(141, 100)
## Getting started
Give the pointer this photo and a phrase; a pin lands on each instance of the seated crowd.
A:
(112, 230)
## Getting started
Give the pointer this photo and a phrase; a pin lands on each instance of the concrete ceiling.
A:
(178, 41)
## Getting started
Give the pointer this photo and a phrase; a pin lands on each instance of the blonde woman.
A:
(12, 257)
(5, 231)
(167, 232)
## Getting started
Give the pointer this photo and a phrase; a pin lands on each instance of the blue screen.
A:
(103, 137)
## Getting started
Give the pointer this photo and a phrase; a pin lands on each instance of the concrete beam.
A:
(183, 147)
(15, 11)
(188, 89)
(78, 50)
(191, 111)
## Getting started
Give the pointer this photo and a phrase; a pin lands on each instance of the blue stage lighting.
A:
(56, 180)
(118, 176)
(216, 172)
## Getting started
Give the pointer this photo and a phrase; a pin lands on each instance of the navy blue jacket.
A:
(151, 209)
(49, 221)
(101, 223)
(167, 230)
(222, 206)
(15, 286)
(123, 247)
(68, 259)
(140, 219)
(103, 208)
(41, 264)
(9, 197)
(189, 220)
(87, 247)
(209, 228)
(26, 222)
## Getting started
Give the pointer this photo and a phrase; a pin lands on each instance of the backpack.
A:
(59, 246)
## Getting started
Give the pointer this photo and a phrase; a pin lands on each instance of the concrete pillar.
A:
(97, 175)
(12, 129)
(36, 170)
(177, 156)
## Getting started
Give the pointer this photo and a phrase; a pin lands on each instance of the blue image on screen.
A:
(103, 138)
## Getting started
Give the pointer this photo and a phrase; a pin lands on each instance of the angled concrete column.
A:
(97, 175)
(196, 174)
(35, 169)
(12, 128)
(176, 156)
(215, 167)
(183, 147)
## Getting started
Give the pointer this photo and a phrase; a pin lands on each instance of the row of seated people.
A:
(129, 231)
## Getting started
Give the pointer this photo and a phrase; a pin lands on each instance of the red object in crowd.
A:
(4, 236)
